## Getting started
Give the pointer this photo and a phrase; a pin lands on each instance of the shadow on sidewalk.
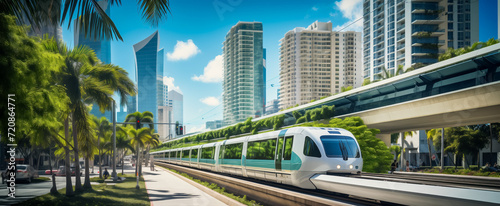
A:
(157, 197)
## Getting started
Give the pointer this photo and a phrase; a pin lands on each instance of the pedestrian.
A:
(4, 175)
(407, 165)
(393, 166)
(106, 173)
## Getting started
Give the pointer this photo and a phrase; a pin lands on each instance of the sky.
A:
(193, 34)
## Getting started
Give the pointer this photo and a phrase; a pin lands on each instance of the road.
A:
(25, 191)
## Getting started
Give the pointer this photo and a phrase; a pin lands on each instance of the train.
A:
(289, 156)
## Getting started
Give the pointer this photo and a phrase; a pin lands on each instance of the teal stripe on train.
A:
(294, 164)
(230, 162)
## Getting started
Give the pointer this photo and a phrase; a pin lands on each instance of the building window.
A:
(450, 35)
(450, 26)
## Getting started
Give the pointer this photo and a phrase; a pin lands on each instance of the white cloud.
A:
(169, 81)
(183, 51)
(213, 72)
(211, 101)
(314, 8)
(352, 10)
(332, 14)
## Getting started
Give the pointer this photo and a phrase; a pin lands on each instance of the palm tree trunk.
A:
(140, 165)
(78, 181)
(123, 165)
(100, 160)
(430, 153)
(146, 157)
(87, 184)
(137, 161)
(69, 186)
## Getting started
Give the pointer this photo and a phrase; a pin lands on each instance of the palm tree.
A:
(103, 128)
(138, 139)
(432, 134)
(87, 80)
(123, 142)
(153, 142)
(146, 117)
(91, 18)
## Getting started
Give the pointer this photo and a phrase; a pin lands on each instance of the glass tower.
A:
(146, 61)
(244, 77)
(102, 49)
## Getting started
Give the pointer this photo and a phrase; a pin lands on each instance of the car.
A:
(25, 172)
(62, 171)
(47, 172)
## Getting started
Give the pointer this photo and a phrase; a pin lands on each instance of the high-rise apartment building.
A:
(413, 33)
(244, 76)
(317, 62)
(102, 49)
(146, 64)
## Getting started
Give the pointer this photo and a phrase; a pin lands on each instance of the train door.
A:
(279, 150)
(287, 153)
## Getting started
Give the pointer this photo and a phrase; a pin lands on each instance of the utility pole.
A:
(115, 177)
(442, 148)
(491, 146)
(403, 163)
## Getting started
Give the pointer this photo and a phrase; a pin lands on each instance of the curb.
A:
(216, 195)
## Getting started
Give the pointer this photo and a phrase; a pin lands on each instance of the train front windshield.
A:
(340, 146)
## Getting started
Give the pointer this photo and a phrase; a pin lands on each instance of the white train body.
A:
(289, 156)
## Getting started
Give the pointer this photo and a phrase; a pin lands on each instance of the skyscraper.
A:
(176, 101)
(146, 61)
(102, 49)
(413, 33)
(317, 62)
(244, 77)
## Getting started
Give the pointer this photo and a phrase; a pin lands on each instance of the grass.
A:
(40, 179)
(218, 189)
(123, 193)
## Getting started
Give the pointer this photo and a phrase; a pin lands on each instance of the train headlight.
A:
(350, 167)
(338, 166)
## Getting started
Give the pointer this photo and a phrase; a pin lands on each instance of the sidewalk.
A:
(164, 188)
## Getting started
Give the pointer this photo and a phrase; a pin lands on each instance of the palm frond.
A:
(93, 20)
(154, 11)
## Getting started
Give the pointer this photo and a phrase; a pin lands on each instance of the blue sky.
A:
(201, 26)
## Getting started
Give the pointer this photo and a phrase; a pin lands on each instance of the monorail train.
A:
(290, 156)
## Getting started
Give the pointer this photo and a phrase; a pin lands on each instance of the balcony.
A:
(400, 27)
(400, 17)
(420, 41)
(401, 47)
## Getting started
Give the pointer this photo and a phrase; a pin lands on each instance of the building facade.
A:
(213, 124)
(272, 107)
(317, 62)
(146, 60)
(176, 101)
(413, 33)
(244, 76)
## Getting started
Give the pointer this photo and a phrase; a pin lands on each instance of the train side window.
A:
(207, 153)
(194, 153)
(185, 154)
(263, 149)
(310, 148)
(233, 151)
(287, 154)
